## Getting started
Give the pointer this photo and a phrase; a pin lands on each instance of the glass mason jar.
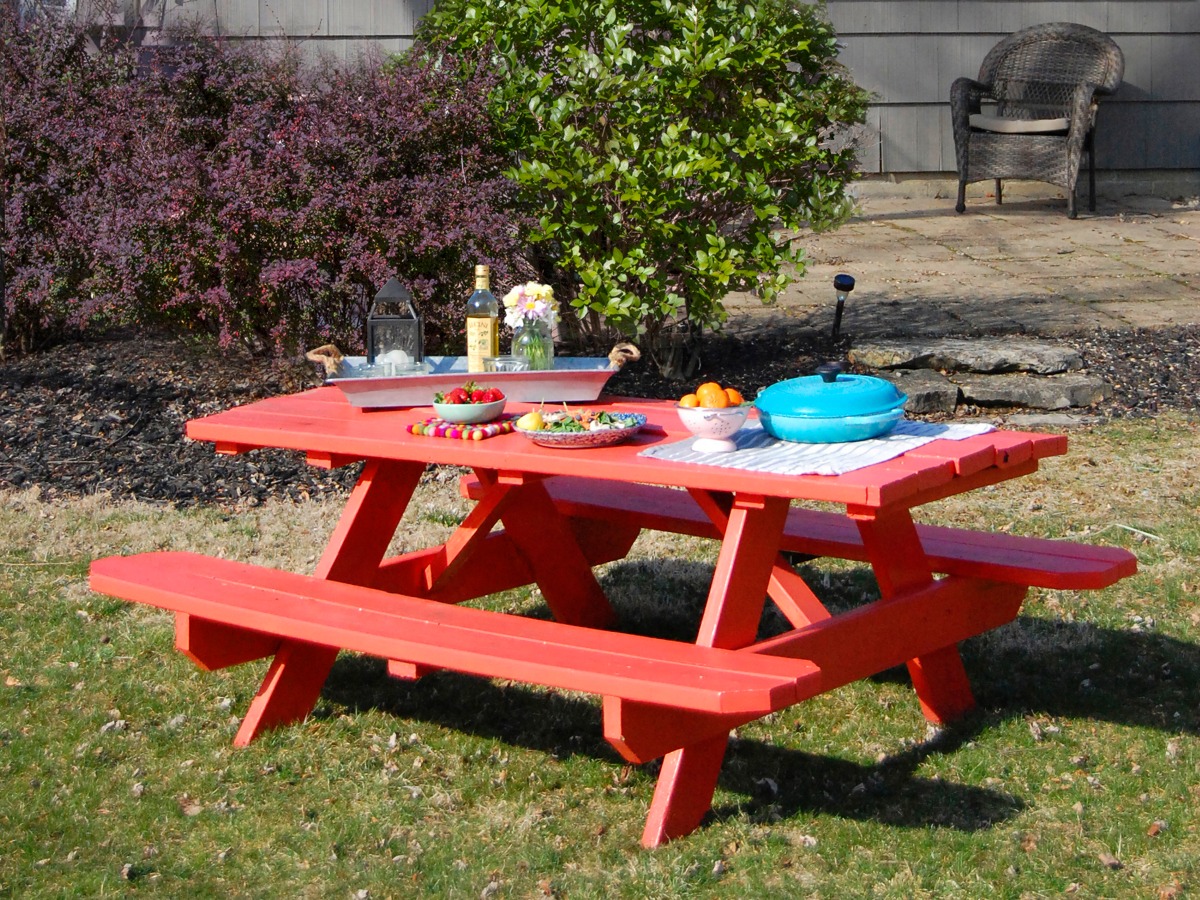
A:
(535, 341)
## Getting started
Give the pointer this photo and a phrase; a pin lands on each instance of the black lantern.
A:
(394, 333)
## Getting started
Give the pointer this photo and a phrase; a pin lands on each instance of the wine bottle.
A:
(483, 322)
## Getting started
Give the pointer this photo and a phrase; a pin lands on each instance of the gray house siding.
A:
(341, 29)
(907, 53)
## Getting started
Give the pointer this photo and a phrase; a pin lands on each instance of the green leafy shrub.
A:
(664, 148)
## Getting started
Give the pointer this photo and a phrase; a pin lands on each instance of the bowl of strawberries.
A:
(470, 404)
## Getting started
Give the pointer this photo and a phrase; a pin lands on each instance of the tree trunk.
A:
(676, 353)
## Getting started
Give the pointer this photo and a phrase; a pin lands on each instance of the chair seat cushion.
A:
(1005, 125)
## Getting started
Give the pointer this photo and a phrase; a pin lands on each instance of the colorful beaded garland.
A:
(436, 427)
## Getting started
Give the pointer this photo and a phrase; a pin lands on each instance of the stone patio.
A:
(925, 273)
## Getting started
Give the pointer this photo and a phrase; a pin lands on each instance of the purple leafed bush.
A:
(228, 191)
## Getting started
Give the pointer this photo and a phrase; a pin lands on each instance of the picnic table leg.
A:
(939, 678)
(296, 675)
(290, 689)
(684, 791)
(688, 778)
(368, 523)
(544, 538)
(787, 590)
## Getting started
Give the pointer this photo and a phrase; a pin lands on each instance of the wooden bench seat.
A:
(260, 604)
(1037, 562)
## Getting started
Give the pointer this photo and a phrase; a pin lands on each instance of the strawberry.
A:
(469, 393)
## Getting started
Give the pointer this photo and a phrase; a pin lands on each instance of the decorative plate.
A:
(632, 424)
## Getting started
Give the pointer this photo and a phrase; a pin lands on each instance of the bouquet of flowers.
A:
(530, 312)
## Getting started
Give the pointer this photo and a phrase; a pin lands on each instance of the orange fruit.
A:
(711, 395)
(689, 400)
(735, 399)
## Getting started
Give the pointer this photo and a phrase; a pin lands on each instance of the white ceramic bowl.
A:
(714, 427)
(469, 413)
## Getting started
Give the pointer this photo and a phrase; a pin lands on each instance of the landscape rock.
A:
(957, 355)
(1052, 392)
(1049, 420)
(927, 390)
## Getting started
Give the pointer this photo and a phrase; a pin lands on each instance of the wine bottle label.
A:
(483, 339)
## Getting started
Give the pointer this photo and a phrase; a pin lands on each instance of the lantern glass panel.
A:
(394, 330)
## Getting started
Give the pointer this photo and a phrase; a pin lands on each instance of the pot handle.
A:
(829, 372)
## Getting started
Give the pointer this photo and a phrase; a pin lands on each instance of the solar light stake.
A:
(843, 284)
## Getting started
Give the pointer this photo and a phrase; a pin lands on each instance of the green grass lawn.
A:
(1078, 775)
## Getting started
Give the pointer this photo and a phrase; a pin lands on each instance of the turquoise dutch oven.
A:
(830, 407)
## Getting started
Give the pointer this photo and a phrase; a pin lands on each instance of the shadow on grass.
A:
(564, 726)
(1031, 667)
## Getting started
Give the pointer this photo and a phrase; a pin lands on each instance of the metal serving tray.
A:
(572, 380)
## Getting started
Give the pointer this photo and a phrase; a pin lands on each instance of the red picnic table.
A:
(564, 511)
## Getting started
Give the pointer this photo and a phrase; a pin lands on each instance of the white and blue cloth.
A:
(757, 451)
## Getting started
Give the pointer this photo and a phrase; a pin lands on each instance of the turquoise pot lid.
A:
(830, 394)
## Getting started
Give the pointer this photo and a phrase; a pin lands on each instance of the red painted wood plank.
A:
(883, 634)
(496, 565)
(327, 430)
(901, 568)
(289, 690)
(391, 626)
(544, 539)
(888, 486)
(930, 472)
(213, 646)
(641, 732)
(1038, 562)
(683, 793)
(229, 448)
(367, 524)
(1012, 447)
(968, 455)
(964, 484)
(407, 671)
(326, 460)
(742, 572)
(1045, 445)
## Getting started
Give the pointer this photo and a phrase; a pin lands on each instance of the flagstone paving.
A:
(922, 269)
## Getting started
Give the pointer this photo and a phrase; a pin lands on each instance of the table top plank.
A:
(322, 424)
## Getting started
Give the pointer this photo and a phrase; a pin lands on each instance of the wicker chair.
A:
(1032, 112)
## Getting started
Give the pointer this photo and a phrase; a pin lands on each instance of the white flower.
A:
(529, 302)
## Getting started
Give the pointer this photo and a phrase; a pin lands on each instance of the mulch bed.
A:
(107, 415)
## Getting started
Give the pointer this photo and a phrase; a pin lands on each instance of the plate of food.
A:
(578, 428)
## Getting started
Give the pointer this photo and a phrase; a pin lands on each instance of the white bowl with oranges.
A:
(714, 414)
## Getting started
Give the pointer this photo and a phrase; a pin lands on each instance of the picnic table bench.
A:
(996, 556)
(548, 516)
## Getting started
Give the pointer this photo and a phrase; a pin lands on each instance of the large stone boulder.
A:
(927, 390)
(1052, 392)
(988, 356)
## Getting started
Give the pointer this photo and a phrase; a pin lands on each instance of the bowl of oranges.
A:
(714, 414)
